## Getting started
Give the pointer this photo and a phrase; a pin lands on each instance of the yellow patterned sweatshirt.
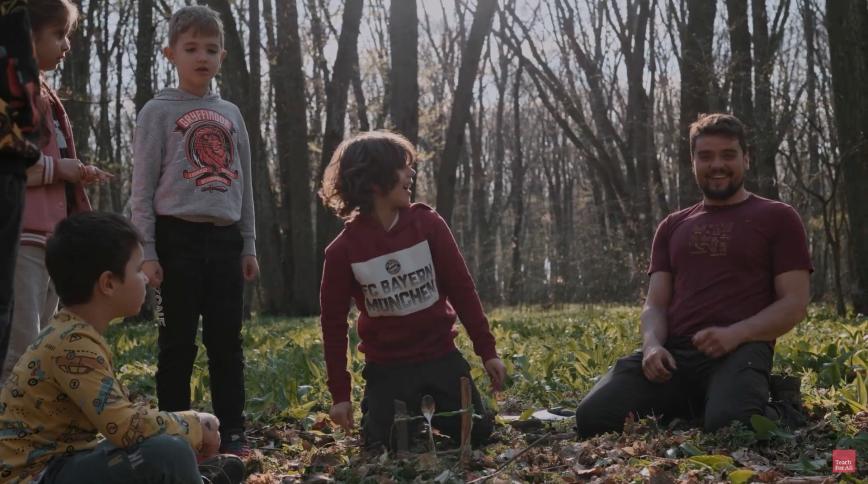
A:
(63, 393)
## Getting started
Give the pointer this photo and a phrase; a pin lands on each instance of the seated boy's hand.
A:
(249, 267)
(496, 372)
(342, 414)
(154, 271)
(210, 435)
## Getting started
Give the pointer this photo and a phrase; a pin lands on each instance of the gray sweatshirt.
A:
(191, 160)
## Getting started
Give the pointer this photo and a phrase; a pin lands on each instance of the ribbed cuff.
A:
(48, 169)
(249, 246)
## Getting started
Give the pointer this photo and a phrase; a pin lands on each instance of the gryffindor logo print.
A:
(208, 146)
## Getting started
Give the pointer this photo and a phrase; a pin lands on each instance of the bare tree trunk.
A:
(847, 25)
(327, 225)
(288, 80)
(359, 96)
(75, 80)
(404, 73)
(321, 74)
(490, 229)
(819, 277)
(478, 206)
(103, 125)
(741, 64)
(639, 135)
(697, 73)
(144, 53)
(238, 87)
(517, 191)
(768, 134)
(461, 106)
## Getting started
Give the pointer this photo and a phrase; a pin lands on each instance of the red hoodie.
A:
(400, 280)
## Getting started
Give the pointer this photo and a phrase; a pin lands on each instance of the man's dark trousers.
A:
(201, 277)
(733, 387)
(408, 382)
(12, 189)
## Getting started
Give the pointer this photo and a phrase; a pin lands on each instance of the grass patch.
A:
(554, 357)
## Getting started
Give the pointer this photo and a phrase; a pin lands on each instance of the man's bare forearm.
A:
(772, 322)
(654, 331)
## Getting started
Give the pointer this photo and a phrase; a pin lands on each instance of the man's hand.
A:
(154, 271)
(657, 364)
(249, 267)
(210, 435)
(717, 341)
(496, 372)
(342, 414)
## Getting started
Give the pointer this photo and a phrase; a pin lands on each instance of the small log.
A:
(466, 420)
(400, 426)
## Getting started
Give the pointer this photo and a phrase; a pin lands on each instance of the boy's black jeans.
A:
(732, 387)
(409, 382)
(201, 277)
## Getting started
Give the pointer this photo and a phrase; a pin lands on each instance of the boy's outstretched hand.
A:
(210, 435)
(496, 372)
(342, 414)
(249, 267)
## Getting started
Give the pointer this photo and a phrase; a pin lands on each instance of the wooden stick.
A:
(508, 462)
(466, 421)
(400, 425)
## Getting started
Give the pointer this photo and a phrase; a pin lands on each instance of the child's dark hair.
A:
(84, 246)
(720, 124)
(48, 13)
(361, 163)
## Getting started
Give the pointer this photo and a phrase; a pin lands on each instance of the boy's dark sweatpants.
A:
(201, 277)
(409, 382)
(162, 458)
(722, 390)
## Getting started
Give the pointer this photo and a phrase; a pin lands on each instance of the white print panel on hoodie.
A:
(399, 283)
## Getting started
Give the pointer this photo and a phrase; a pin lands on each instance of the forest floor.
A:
(553, 357)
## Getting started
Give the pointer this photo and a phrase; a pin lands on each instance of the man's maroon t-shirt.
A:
(723, 260)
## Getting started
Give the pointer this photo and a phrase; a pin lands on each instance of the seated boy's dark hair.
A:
(84, 246)
(361, 163)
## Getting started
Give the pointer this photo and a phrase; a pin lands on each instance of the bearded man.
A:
(728, 276)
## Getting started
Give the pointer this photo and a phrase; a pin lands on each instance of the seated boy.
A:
(63, 395)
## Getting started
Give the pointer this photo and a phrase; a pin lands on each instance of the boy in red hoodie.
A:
(400, 264)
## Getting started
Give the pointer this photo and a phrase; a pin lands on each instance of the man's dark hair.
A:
(361, 163)
(84, 246)
(719, 124)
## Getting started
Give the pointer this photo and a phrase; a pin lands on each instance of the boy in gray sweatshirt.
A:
(192, 201)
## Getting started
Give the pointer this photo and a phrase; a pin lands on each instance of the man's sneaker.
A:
(235, 443)
(786, 389)
(222, 469)
(786, 401)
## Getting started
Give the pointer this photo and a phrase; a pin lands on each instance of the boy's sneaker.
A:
(222, 469)
(235, 443)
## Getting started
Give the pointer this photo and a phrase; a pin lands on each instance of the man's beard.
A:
(724, 193)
